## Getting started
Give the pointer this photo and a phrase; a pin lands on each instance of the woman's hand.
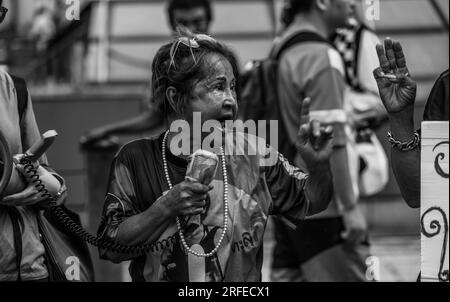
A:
(397, 89)
(31, 195)
(315, 143)
(185, 199)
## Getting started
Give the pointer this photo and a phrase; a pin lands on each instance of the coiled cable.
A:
(76, 229)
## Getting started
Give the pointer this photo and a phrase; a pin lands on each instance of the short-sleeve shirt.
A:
(20, 135)
(316, 70)
(256, 190)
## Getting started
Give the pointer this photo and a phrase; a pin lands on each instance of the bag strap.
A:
(22, 95)
(304, 37)
(16, 221)
(301, 37)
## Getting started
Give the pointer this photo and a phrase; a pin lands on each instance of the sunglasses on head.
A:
(191, 43)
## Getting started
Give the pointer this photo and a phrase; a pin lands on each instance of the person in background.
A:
(331, 246)
(398, 94)
(43, 27)
(196, 16)
(356, 42)
(21, 132)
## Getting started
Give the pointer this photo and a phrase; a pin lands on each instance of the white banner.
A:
(435, 201)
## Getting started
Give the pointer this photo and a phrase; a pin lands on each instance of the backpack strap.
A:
(22, 95)
(302, 37)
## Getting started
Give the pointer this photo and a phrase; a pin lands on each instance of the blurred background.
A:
(96, 70)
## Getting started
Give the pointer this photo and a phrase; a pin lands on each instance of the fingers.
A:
(325, 138)
(316, 133)
(390, 54)
(392, 61)
(21, 169)
(381, 79)
(304, 117)
(199, 199)
(303, 135)
(198, 188)
(195, 211)
(399, 55)
(29, 196)
(304, 131)
(384, 63)
(378, 73)
(15, 198)
(194, 207)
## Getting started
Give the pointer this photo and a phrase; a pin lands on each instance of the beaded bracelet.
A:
(405, 147)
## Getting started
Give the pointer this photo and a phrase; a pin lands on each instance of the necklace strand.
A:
(225, 198)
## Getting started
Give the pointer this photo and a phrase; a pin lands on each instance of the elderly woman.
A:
(206, 232)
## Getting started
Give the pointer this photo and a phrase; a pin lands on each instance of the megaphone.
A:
(12, 182)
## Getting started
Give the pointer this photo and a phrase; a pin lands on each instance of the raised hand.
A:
(397, 88)
(314, 142)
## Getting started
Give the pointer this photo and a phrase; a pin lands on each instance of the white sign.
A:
(435, 201)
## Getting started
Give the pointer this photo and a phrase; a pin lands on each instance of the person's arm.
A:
(123, 223)
(147, 121)
(398, 95)
(295, 194)
(406, 165)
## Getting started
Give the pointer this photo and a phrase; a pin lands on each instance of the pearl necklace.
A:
(225, 198)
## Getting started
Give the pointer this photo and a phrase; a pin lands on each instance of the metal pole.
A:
(104, 43)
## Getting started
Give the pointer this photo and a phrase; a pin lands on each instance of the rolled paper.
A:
(203, 167)
(197, 265)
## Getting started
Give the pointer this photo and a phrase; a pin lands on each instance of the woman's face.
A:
(214, 96)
